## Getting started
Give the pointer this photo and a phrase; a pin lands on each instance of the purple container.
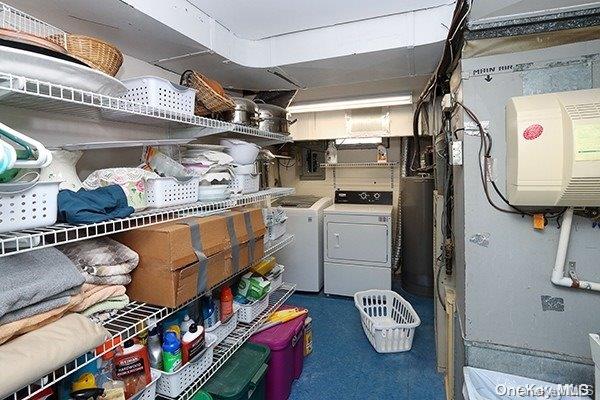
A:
(286, 342)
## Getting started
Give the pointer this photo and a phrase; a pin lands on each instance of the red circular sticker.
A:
(533, 132)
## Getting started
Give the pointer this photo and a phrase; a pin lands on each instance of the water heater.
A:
(553, 149)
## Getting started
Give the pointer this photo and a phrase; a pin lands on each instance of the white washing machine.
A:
(303, 259)
(358, 242)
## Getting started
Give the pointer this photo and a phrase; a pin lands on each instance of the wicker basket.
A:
(95, 53)
(208, 100)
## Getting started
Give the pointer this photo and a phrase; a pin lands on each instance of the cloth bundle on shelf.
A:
(44, 350)
(31, 283)
(39, 287)
(92, 206)
(102, 261)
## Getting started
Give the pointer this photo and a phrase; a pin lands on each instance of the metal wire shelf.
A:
(23, 92)
(235, 340)
(128, 323)
(31, 239)
(360, 165)
(18, 21)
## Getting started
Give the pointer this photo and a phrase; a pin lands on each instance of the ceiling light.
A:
(351, 104)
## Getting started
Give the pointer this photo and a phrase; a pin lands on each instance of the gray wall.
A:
(504, 279)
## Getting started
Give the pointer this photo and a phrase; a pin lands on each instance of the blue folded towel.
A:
(91, 206)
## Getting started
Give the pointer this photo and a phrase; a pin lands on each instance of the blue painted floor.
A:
(345, 366)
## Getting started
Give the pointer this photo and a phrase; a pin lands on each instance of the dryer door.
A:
(362, 242)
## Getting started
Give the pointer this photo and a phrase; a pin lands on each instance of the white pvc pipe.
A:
(558, 272)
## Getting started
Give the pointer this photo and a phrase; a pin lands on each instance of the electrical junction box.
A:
(553, 149)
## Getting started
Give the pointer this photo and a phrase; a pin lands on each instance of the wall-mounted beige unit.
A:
(553, 149)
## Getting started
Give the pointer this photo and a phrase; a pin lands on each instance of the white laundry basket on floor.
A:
(388, 320)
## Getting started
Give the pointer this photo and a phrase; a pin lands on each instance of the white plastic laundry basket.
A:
(248, 312)
(245, 183)
(161, 93)
(388, 320)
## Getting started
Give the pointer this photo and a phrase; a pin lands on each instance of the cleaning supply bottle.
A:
(209, 312)
(192, 343)
(155, 349)
(171, 352)
(186, 323)
(226, 303)
(132, 366)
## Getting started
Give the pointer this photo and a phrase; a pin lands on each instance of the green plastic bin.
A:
(243, 376)
(201, 395)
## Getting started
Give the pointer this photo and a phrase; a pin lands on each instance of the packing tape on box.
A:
(202, 259)
(252, 241)
(235, 244)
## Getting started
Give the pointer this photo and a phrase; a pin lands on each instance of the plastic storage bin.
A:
(245, 183)
(388, 320)
(168, 191)
(276, 279)
(172, 384)
(242, 376)
(277, 230)
(149, 393)
(222, 330)
(160, 93)
(248, 312)
(27, 205)
(286, 342)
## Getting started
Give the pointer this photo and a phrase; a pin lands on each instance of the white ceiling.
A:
(331, 43)
(260, 19)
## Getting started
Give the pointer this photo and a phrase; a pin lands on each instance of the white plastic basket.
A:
(168, 191)
(149, 393)
(249, 312)
(28, 205)
(276, 280)
(159, 92)
(245, 183)
(172, 384)
(277, 230)
(220, 330)
(388, 320)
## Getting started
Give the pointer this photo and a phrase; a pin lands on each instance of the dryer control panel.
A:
(363, 197)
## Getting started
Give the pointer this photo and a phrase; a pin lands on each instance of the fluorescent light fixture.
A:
(359, 140)
(351, 104)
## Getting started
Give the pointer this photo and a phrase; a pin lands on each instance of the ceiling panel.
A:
(114, 21)
(259, 19)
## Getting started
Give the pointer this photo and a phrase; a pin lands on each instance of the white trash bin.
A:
(483, 384)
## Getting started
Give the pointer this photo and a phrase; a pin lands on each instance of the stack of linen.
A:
(105, 265)
(41, 286)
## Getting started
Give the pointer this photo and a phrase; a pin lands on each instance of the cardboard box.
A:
(167, 273)
(170, 244)
(172, 288)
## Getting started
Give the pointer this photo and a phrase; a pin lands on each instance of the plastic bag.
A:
(483, 384)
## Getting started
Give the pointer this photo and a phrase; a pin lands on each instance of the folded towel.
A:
(97, 294)
(34, 322)
(35, 309)
(101, 256)
(42, 351)
(112, 303)
(32, 277)
(107, 280)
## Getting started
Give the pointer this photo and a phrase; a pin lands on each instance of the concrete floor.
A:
(345, 366)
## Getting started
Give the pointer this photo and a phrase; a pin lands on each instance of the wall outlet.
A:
(456, 152)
